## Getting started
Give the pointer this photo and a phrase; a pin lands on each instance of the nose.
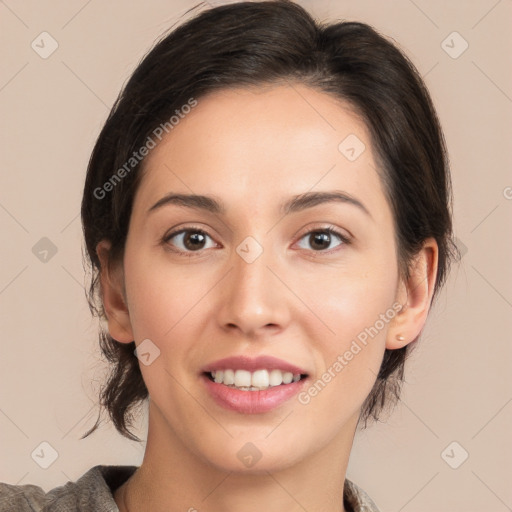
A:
(254, 300)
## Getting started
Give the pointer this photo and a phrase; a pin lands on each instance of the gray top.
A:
(93, 492)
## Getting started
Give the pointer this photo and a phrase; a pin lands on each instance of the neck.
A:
(192, 484)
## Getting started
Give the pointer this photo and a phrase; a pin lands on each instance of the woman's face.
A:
(251, 279)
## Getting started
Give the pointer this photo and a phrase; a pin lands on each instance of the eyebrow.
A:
(294, 204)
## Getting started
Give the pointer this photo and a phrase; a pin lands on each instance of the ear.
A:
(113, 296)
(415, 296)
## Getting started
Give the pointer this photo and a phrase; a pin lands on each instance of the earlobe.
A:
(416, 297)
(111, 279)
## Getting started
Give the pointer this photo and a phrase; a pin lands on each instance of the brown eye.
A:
(188, 240)
(194, 240)
(321, 239)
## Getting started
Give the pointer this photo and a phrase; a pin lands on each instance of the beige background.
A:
(459, 379)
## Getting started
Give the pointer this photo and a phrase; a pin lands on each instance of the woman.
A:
(267, 213)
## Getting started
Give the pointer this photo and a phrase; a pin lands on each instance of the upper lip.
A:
(252, 364)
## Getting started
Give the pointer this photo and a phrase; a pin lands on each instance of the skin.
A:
(254, 149)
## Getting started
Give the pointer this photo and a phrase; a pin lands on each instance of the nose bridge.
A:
(253, 299)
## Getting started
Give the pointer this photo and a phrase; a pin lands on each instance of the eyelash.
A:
(187, 254)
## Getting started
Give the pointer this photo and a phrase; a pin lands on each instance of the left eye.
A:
(322, 238)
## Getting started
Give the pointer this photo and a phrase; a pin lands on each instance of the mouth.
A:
(259, 380)
(252, 385)
(252, 392)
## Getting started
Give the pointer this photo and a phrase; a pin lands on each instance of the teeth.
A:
(253, 381)
(229, 377)
(287, 377)
(275, 377)
(259, 379)
(242, 378)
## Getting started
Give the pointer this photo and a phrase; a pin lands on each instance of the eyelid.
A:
(344, 234)
(346, 239)
(177, 231)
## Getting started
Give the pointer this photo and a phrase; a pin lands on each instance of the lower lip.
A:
(252, 402)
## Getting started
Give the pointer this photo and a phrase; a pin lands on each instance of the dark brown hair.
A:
(251, 44)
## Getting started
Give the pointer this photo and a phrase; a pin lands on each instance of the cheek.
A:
(169, 308)
(355, 309)
(160, 295)
(351, 300)
(348, 360)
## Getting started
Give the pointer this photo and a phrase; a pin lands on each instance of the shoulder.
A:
(92, 491)
(356, 500)
(21, 498)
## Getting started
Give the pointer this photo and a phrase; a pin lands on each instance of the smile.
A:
(251, 399)
(253, 381)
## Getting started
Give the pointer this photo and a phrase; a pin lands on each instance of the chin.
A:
(253, 455)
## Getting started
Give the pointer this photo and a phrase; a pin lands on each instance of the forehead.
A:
(260, 143)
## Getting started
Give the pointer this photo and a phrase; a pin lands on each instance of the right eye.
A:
(187, 240)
